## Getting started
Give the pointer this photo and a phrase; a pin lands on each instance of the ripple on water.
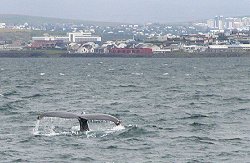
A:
(135, 131)
(195, 116)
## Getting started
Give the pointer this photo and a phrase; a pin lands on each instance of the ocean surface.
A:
(172, 110)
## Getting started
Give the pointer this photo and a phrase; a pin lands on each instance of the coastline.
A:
(64, 54)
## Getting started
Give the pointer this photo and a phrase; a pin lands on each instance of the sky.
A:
(129, 11)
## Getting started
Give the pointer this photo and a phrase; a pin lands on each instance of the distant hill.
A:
(37, 20)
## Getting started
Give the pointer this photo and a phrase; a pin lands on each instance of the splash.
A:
(61, 74)
(35, 130)
(137, 73)
(104, 132)
(58, 126)
(118, 128)
(165, 74)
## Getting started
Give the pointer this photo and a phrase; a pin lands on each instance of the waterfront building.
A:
(2, 25)
(83, 37)
(77, 37)
(142, 51)
(51, 38)
(46, 44)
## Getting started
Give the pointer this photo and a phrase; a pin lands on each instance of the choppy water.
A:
(172, 110)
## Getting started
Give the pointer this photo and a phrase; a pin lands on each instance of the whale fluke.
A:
(83, 118)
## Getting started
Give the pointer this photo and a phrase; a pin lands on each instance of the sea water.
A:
(172, 110)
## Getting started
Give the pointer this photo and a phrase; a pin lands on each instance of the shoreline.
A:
(63, 54)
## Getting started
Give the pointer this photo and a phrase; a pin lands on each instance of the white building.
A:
(51, 38)
(2, 25)
(86, 49)
(83, 37)
(77, 37)
(210, 23)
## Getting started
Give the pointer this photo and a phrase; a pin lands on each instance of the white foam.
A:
(1, 95)
(165, 74)
(42, 74)
(35, 130)
(137, 73)
(48, 128)
(118, 128)
(2, 69)
(188, 74)
(62, 74)
(111, 69)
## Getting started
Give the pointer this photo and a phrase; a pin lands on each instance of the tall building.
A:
(211, 23)
(219, 22)
(2, 25)
(246, 21)
(229, 22)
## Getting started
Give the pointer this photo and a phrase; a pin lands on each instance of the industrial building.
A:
(77, 37)
(80, 37)
(143, 51)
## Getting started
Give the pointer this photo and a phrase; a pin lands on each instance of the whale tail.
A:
(83, 119)
(83, 124)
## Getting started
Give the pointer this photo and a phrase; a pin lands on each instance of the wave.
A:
(239, 99)
(202, 126)
(10, 93)
(137, 73)
(8, 107)
(230, 139)
(61, 74)
(135, 131)
(23, 86)
(198, 139)
(161, 128)
(115, 103)
(128, 86)
(33, 96)
(195, 116)
(240, 111)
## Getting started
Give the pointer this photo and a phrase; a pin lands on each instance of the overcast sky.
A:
(134, 11)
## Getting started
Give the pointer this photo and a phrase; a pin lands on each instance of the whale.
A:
(82, 118)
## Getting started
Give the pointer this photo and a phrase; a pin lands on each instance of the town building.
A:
(2, 25)
(83, 37)
(142, 51)
(77, 37)
(52, 38)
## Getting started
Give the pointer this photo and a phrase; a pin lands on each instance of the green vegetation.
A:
(37, 21)
(24, 35)
(10, 34)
